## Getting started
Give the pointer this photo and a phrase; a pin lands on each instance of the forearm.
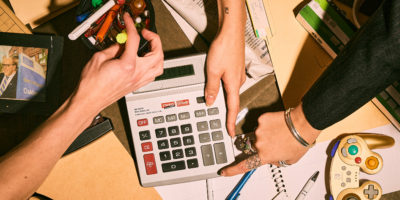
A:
(26, 166)
(232, 18)
(366, 67)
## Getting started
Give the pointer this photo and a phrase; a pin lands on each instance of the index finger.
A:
(132, 44)
(232, 97)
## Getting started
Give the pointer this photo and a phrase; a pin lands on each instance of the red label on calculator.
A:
(182, 102)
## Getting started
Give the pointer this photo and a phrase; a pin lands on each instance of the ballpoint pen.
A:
(307, 186)
(236, 191)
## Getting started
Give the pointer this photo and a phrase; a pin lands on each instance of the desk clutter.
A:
(175, 149)
(101, 23)
(287, 183)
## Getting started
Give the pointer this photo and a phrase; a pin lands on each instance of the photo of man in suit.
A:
(8, 78)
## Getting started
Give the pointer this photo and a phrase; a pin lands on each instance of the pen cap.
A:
(117, 26)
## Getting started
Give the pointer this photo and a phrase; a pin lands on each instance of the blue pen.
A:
(236, 191)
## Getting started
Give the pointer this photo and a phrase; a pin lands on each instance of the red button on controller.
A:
(150, 164)
(358, 160)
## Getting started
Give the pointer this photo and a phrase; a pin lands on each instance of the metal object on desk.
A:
(98, 128)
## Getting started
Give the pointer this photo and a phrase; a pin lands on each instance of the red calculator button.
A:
(150, 164)
(182, 103)
(147, 146)
(142, 122)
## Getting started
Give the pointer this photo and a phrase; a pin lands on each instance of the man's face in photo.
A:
(9, 67)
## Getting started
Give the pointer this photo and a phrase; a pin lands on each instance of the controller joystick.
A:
(349, 155)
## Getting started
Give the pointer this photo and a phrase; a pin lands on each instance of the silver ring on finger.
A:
(246, 143)
(283, 163)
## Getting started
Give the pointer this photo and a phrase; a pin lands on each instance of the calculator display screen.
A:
(176, 72)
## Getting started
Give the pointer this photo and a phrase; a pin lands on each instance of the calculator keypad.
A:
(170, 147)
(183, 136)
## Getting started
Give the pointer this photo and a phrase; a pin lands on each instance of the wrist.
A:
(84, 109)
(304, 128)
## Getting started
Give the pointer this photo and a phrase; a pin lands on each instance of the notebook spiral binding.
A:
(278, 178)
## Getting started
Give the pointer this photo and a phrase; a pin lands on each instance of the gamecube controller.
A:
(349, 155)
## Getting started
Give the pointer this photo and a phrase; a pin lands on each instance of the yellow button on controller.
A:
(371, 162)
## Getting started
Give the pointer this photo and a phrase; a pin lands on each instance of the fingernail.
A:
(209, 98)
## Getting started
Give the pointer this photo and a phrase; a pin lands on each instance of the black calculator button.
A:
(189, 152)
(192, 163)
(215, 124)
(165, 155)
(144, 135)
(184, 115)
(220, 153)
(200, 99)
(171, 118)
(217, 135)
(213, 111)
(204, 137)
(173, 166)
(207, 154)
(188, 140)
(158, 120)
(161, 132)
(175, 142)
(202, 126)
(162, 144)
(173, 130)
(178, 153)
(186, 128)
(200, 113)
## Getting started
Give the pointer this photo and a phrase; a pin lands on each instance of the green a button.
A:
(353, 150)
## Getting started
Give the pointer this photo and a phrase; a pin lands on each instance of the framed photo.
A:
(29, 73)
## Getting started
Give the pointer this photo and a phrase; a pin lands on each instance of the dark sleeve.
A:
(368, 64)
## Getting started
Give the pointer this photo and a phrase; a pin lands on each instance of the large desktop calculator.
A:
(176, 137)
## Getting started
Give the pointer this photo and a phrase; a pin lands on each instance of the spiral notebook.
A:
(270, 177)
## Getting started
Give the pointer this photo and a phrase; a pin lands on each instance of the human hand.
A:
(105, 78)
(225, 61)
(274, 142)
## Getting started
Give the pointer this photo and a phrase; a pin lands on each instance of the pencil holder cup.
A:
(103, 34)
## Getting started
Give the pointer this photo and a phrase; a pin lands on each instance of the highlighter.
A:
(107, 22)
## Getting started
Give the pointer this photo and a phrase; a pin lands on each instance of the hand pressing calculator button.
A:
(177, 138)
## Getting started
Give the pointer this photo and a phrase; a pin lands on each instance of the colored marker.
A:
(107, 22)
(84, 26)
